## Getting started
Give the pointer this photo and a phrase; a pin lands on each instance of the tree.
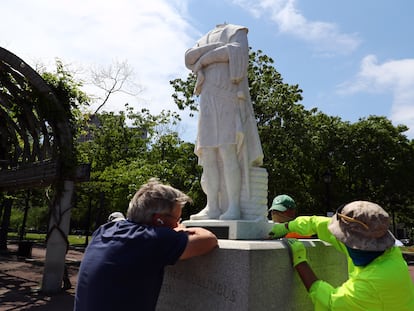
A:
(370, 159)
(123, 157)
(116, 78)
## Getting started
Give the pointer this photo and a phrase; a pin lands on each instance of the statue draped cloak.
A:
(226, 114)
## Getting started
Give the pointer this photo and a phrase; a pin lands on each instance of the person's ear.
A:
(157, 221)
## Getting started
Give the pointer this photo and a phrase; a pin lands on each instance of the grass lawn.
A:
(41, 237)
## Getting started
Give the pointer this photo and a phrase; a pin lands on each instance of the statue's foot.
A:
(231, 214)
(206, 213)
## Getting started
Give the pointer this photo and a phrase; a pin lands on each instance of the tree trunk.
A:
(22, 232)
(7, 206)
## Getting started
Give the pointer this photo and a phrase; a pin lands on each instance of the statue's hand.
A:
(240, 95)
(199, 82)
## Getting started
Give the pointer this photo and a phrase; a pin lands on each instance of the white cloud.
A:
(324, 37)
(152, 36)
(393, 76)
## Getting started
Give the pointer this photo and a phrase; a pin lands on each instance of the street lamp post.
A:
(327, 179)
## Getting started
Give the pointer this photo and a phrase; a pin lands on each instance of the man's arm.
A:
(200, 242)
(305, 225)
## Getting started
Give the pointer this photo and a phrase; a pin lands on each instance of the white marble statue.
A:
(228, 144)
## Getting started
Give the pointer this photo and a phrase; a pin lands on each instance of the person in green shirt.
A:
(378, 274)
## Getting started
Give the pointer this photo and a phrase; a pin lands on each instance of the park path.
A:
(20, 280)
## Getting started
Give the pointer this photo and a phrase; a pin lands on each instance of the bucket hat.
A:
(362, 225)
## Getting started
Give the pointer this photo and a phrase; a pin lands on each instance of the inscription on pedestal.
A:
(211, 286)
(247, 276)
(220, 232)
(222, 295)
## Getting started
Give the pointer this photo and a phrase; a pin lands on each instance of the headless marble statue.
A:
(228, 143)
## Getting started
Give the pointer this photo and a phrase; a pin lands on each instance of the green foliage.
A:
(68, 91)
(16, 220)
(125, 151)
(370, 159)
(183, 95)
(38, 210)
(66, 87)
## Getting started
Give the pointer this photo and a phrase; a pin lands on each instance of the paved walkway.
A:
(20, 280)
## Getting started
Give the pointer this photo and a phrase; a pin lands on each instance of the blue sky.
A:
(351, 58)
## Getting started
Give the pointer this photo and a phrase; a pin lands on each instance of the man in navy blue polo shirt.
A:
(123, 265)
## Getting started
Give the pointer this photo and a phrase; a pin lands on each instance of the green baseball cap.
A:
(282, 203)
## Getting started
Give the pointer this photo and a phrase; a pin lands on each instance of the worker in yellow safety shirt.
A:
(283, 209)
(378, 274)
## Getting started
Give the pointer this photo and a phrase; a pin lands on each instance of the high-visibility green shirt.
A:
(384, 284)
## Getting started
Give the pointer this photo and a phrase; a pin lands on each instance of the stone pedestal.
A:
(234, 229)
(247, 276)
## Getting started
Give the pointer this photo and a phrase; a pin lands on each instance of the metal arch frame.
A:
(36, 146)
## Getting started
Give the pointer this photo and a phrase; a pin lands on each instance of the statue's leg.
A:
(232, 180)
(210, 184)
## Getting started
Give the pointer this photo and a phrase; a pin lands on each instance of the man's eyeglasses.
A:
(177, 220)
(339, 215)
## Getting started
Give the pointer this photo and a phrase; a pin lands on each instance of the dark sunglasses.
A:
(339, 215)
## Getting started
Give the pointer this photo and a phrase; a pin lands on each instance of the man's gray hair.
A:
(152, 198)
